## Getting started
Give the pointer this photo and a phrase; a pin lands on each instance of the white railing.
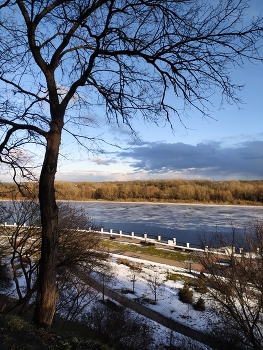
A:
(165, 242)
(112, 233)
(170, 242)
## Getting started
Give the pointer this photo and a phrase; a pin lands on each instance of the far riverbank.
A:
(160, 203)
(179, 191)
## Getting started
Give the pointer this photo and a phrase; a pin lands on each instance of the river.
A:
(185, 222)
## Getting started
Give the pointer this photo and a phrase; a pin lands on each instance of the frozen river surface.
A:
(181, 221)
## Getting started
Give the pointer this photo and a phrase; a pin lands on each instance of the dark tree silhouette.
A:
(81, 251)
(234, 273)
(60, 58)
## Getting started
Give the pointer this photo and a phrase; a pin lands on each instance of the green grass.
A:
(198, 283)
(180, 277)
(153, 251)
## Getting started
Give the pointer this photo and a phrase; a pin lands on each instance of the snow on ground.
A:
(168, 303)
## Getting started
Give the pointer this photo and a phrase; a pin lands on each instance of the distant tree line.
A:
(174, 191)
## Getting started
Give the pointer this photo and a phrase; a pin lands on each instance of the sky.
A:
(229, 145)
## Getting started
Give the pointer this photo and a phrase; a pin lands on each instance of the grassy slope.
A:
(152, 251)
(15, 333)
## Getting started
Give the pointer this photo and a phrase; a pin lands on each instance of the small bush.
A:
(171, 276)
(122, 261)
(127, 291)
(201, 286)
(148, 243)
(186, 294)
(199, 305)
(136, 267)
(130, 264)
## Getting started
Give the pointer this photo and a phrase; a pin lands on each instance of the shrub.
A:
(199, 305)
(201, 286)
(122, 261)
(186, 294)
(131, 264)
(171, 276)
(148, 243)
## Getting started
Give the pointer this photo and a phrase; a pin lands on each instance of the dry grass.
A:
(131, 264)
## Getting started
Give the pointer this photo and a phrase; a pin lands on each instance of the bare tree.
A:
(5, 273)
(74, 295)
(60, 58)
(154, 282)
(22, 242)
(235, 277)
(134, 273)
(80, 252)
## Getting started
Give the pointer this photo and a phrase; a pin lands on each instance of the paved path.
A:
(185, 265)
(149, 313)
(153, 315)
(157, 259)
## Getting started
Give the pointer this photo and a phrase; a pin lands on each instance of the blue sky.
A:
(227, 146)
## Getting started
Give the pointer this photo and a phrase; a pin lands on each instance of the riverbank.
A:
(176, 191)
(159, 203)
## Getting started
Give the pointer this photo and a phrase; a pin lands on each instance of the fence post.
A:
(101, 230)
(132, 234)
(174, 239)
(120, 232)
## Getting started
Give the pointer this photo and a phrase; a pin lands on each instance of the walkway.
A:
(145, 311)
(153, 315)
(194, 266)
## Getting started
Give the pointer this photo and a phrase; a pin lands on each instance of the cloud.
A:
(205, 160)
(104, 161)
(92, 175)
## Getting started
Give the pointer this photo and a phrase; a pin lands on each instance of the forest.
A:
(169, 191)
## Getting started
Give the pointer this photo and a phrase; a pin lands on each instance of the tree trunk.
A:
(47, 294)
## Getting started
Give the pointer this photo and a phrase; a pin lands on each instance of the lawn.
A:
(152, 251)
